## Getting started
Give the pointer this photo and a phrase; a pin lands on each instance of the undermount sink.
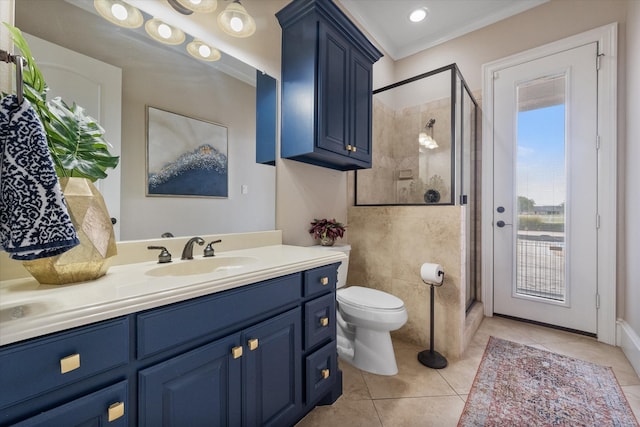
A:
(201, 266)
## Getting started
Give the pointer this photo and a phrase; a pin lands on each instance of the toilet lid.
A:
(367, 297)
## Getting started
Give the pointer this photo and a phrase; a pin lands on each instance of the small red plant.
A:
(323, 228)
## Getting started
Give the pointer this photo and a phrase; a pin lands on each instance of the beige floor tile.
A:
(413, 378)
(353, 385)
(344, 412)
(632, 393)
(439, 411)
(420, 396)
(459, 374)
(503, 328)
(602, 354)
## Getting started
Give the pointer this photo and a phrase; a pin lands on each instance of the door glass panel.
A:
(541, 188)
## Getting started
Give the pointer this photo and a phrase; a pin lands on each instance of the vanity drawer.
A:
(319, 320)
(214, 315)
(45, 364)
(321, 371)
(106, 407)
(320, 280)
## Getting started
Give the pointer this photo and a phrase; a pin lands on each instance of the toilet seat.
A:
(358, 296)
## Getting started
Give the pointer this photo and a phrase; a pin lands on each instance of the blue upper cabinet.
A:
(266, 107)
(326, 87)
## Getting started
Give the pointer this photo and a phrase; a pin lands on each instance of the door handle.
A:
(501, 223)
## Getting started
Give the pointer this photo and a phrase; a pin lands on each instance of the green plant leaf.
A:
(75, 139)
(76, 142)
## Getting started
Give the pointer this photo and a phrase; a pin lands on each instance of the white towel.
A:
(34, 221)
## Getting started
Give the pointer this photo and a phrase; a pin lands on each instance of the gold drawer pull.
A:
(253, 344)
(116, 411)
(236, 352)
(69, 363)
(325, 373)
(349, 148)
(324, 281)
(354, 149)
(324, 321)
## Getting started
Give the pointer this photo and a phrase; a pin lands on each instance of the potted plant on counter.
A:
(80, 156)
(327, 230)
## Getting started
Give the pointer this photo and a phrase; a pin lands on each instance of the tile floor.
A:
(420, 396)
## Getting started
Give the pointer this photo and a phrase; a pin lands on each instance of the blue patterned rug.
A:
(518, 385)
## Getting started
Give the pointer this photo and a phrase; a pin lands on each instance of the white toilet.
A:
(365, 319)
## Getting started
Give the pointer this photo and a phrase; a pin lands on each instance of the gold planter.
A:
(91, 258)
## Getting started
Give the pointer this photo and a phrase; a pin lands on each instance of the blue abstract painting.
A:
(185, 156)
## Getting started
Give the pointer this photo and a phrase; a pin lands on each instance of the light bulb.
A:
(119, 11)
(418, 15)
(164, 30)
(204, 50)
(236, 24)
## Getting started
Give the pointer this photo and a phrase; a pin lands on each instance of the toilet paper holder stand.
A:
(430, 357)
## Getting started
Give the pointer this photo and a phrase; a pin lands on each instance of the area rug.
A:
(518, 385)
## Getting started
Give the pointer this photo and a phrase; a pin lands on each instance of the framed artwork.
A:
(186, 157)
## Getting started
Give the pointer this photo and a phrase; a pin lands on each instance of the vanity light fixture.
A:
(187, 7)
(119, 13)
(163, 32)
(236, 21)
(419, 15)
(200, 50)
(426, 140)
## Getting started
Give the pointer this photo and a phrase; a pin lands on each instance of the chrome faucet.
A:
(187, 252)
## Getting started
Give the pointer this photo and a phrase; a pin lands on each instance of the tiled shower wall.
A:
(389, 245)
(396, 152)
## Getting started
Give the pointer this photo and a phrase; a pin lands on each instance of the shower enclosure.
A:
(424, 151)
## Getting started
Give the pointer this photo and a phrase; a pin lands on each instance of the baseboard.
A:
(629, 340)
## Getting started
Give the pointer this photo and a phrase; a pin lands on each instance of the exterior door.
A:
(545, 189)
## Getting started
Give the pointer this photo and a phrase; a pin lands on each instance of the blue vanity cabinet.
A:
(272, 371)
(67, 375)
(201, 387)
(323, 380)
(251, 378)
(263, 354)
(107, 406)
(326, 87)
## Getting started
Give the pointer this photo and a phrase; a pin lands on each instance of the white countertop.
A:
(29, 309)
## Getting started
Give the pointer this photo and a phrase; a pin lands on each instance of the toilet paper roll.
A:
(432, 273)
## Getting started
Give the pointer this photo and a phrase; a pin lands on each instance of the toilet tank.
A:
(344, 267)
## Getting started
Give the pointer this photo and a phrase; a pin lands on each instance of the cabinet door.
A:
(201, 387)
(102, 408)
(361, 90)
(333, 85)
(273, 371)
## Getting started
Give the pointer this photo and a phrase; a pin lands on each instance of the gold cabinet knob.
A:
(116, 411)
(253, 344)
(354, 149)
(325, 373)
(69, 363)
(348, 147)
(324, 321)
(324, 281)
(236, 352)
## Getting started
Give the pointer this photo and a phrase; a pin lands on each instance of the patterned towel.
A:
(34, 222)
